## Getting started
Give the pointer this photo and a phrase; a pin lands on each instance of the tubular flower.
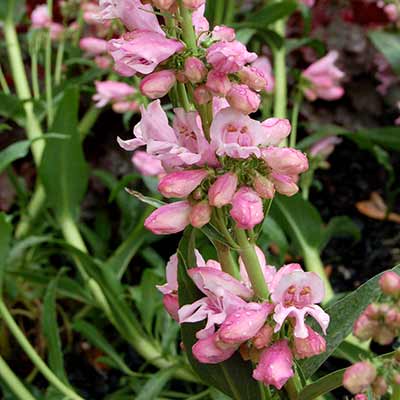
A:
(111, 91)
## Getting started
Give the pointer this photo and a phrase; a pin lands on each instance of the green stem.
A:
(189, 35)
(3, 82)
(226, 259)
(291, 389)
(59, 61)
(219, 12)
(88, 120)
(313, 263)
(396, 392)
(13, 383)
(32, 354)
(32, 126)
(184, 100)
(48, 81)
(230, 12)
(35, 75)
(253, 268)
(295, 117)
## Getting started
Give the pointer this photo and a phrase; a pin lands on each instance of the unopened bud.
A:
(222, 190)
(253, 78)
(202, 95)
(218, 83)
(158, 84)
(359, 376)
(195, 70)
(163, 4)
(390, 283)
(263, 186)
(193, 4)
(200, 214)
(379, 386)
(243, 99)
(365, 328)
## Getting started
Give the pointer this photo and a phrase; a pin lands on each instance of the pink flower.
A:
(147, 164)
(133, 14)
(194, 4)
(221, 192)
(164, 4)
(168, 219)
(312, 345)
(125, 106)
(91, 13)
(224, 33)
(236, 134)
(243, 99)
(244, 324)
(229, 57)
(168, 145)
(195, 70)
(365, 327)
(218, 83)
(40, 17)
(296, 296)
(170, 289)
(359, 376)
(263, 186)
(284, 184)
(93, 46)
(253, 78)
(389, 283)
(210, 351)
(109, 91)
(56, 30)
(275, 366)
(263, 338)
(247, 208)
(158, 84)
(285, 160)
(180, 184)
(391, 11)
(324, 78)
(103, 62)
(200, 22)
(263, 66)
(141, 51)
(275, 130)
(202, 95)
(325, 147)
(200, 214)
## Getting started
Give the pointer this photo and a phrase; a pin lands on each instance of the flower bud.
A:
(164, 4)
(396, 379)
(263, 337)
(158, 84)
(180, 184)
(392, 319)
(244, 324)
(360, 396)
(200, 214)
(93, 46)
(379, 386)
(384, 335)
(364, 327)
(171, 304)
(390, 283)
(284, 184)
(222, 190)
(243, 99)
(207, 350)
(193, 4)
(223, 32)
(202, 95)
(195, 70)
(275, 366)
(247, 208)
(359, 376)
(218, 83)
(311, 346)
(263, 186)
(253, 78)
(168, 219)
(147, 164)
(372, 311)
(285, 160)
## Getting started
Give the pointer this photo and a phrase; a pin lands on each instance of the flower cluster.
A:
(381, 323)
(235, 322)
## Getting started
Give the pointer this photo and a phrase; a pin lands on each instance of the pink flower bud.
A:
(243, 99)
(218, 83)
(285, 160)
(193, 4)
(223, 32)
(324, 147)
(390, 283)
(384, 335)
(396, 379)
(244, 324)
(263, 186)
(180, 184)
(311, 346)
(253, 78)
(147, 164)
(247, 208)
(391, 11)
(284, 184)
(372, 311)
(125, 106)
(171, 304)
(359, 376)
(275, 366)
(195, 69)
(103, 62)
(392, 319)
(263, 337)
(379, 386)
(93, 46)
(40, 17)
(365, 328)
(360, 396)
(202, 95)
(168, 219)
(208, 351)
(158, 84)
(222, 190)
(200, 214)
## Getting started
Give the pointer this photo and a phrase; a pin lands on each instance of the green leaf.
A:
(386, 137)
(234, 376)
(388, 44)
(146, 199)
(13, 152)
(51, 332)
(94, 336)
(339, 226)
(11, 107)
(343, 314)
(294, 44)
(63, 169)
(154, 386)
(5, 240)
(244, 35)
(273, 12)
